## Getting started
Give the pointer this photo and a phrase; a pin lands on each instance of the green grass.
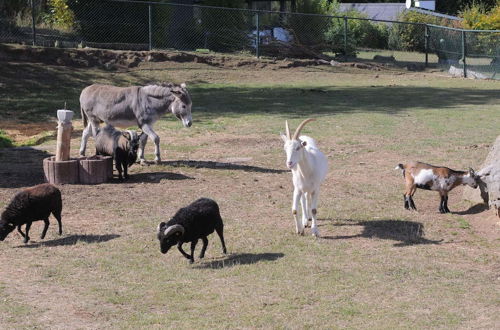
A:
(5, 140)
(376, 266)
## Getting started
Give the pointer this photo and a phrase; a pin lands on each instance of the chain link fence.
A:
(138, 25)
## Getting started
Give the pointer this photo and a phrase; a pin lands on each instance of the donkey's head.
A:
(181, 106)
(294, 147)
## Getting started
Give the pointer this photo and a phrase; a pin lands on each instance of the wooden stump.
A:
(59, 172)
(95, 169)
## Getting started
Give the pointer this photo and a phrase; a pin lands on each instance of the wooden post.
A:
(64, 130)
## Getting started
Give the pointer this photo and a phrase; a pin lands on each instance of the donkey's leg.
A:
(146, 128)
(142, 146)
(85, 138)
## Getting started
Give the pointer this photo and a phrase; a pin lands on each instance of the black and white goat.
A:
(32, 204)
(429, 177)
(191, 223)
(122, 146)
(309, 168)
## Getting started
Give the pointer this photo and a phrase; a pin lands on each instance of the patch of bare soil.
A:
(122, 60)
(22, 132)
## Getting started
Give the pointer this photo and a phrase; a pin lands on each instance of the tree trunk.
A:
(489, 185)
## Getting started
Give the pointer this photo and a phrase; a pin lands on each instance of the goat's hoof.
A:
(191, 261)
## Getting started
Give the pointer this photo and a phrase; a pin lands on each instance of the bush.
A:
(410, 37)
(476, 17)
(360, 34)
(60, 15)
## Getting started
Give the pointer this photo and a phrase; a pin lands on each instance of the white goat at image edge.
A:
(309, 168)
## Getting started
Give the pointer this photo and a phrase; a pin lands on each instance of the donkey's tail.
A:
(84, 117)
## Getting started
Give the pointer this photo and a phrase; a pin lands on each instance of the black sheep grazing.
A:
(189, 224)
(32, 204)
(122, 146)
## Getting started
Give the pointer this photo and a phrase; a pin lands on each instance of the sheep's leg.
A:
(193, 246)
(179, 247)
(27, 229)
(305, 208)
(204, 247)
(220, 232)
(20, 231)
(45, 227)
(296, 198)
(85, 138)
(57, 215)
(156, 139)
(314, 205)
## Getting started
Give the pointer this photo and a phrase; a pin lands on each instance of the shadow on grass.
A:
(154, 177)
(220, 166)
(406, 232)
(48, 87)
(478, 208)
(72, 240)
(240, 259)
(21, 167)
(296, 102)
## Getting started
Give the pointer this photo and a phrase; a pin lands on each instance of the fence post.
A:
(426, 35)
(345, 35)
(257, 46)
(33, 28)
(464, 53)
(150, 38)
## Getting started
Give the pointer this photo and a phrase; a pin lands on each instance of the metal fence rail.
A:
(140, 25)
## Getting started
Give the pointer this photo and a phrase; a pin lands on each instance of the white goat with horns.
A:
(309, 167)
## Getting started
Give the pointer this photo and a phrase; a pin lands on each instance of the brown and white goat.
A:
(429, 177)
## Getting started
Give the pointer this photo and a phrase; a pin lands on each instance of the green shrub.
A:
(410, 37)
(360, 34)
(60, 15)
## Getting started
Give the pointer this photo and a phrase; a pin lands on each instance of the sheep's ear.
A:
(283, 137)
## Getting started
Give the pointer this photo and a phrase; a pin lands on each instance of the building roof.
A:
(383, 11)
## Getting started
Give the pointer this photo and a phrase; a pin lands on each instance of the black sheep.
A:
(32, 204)
(189, 224)
(122, 146)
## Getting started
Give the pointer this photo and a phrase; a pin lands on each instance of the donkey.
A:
(130, 106)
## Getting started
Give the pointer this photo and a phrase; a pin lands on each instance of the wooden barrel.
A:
(95, 169)
(59, 172)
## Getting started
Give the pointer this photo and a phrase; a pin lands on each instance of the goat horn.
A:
(173, 229)
(302, 124)
(287, 130)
